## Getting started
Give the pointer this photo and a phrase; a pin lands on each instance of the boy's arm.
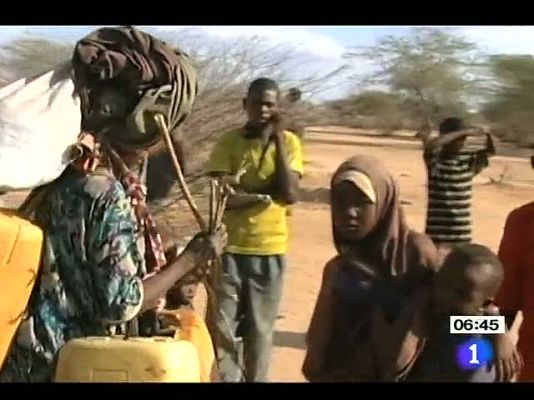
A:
(490, 145)
(244, 200)
(220, 167)
(220, 161)
(289, 167)
(481, 158)
(435, 145)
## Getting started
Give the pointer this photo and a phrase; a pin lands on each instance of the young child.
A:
(188, 325)
(182, 295)
(466, 283)
(379, 263)
(451, 170)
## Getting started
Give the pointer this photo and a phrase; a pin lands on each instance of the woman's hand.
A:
(205, 247)
(199, 251)
(508, 362)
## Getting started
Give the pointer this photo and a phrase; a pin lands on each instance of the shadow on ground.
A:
(294, 340)
(397, 146)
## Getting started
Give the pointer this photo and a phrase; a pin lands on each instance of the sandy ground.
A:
(311, 244)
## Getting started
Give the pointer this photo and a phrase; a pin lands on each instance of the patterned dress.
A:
(90, 278)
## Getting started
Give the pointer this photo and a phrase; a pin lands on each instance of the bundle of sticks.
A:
(219, 192)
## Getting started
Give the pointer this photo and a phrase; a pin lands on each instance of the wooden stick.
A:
(160, 120)
(208, 283)
(211, 278)
(222, 208)
(212, 206)
(217, 204)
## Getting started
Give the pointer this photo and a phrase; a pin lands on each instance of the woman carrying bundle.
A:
(102, 250)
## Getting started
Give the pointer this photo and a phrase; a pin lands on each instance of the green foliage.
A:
(432, 69)
(512, 101)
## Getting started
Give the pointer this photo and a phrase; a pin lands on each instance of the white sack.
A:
(39, 119)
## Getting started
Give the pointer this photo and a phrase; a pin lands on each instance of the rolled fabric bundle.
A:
(39, 121)
(122, 76)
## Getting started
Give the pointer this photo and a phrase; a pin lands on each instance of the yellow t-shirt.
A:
(260, 229)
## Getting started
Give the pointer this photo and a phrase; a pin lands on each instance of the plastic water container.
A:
(138, 359)
(20, 255)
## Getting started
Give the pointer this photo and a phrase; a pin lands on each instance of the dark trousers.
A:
(249, 296)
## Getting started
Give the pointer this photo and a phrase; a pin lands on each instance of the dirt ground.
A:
(311, 244)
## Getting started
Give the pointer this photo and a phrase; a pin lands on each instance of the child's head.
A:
(353, 201)
(469, 277)
(261, 103)
(183, 292)
(450, 125)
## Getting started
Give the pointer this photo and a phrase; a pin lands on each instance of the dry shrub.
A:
(225, 69)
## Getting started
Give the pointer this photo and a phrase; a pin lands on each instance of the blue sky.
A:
(352, 35)
(326, 43)
(344, 35)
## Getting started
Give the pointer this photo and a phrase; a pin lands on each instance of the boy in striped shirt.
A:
(451, 170)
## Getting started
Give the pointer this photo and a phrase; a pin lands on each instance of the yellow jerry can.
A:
(136, 359)
(20, 255)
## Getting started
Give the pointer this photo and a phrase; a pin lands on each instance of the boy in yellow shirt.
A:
(269, 161)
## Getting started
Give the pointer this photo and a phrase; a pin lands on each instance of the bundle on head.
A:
(133, 89)
(123, 77)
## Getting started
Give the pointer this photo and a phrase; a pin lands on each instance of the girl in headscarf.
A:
(368, 285)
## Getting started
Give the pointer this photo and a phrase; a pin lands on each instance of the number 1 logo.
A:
(474, 353)
(474, 359)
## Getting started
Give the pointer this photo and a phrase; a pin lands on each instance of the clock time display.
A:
(482, 325)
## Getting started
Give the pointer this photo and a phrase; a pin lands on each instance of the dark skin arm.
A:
(286, 181)
(156, 286)
(440, 144)
(197, 253)
(480, 161)
(285, 184)
(236, 202)
(437, 144)
(490, 145)
(508, 362)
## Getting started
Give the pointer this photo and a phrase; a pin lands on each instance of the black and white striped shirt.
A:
(450, 188)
